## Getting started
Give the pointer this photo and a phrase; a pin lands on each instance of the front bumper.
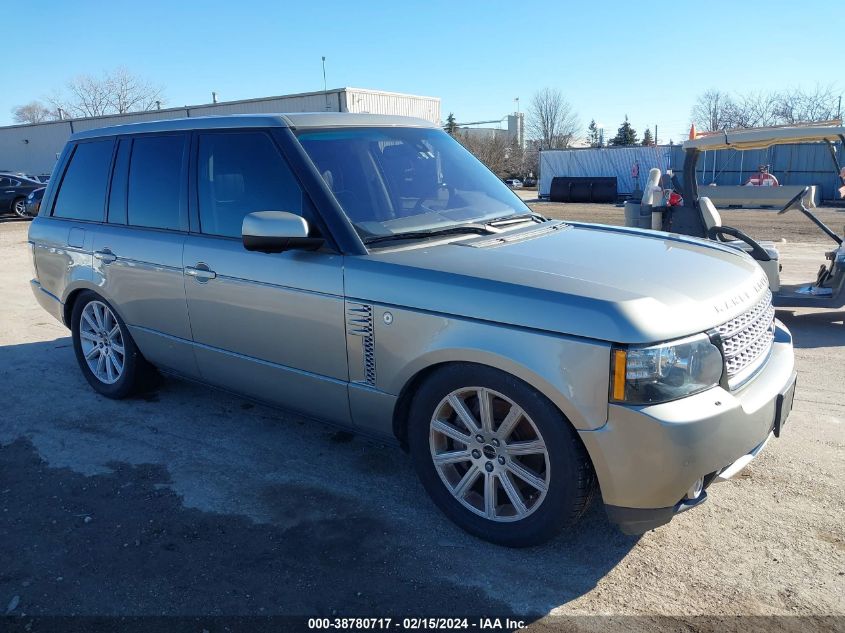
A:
(647, 457)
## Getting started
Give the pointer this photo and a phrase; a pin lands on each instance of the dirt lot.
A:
(193, 502)
(761, 224)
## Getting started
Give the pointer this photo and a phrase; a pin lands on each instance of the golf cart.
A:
(698, 216)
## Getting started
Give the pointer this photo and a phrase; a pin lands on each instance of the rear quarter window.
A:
(82, 193)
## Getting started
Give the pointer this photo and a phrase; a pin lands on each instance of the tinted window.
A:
(239, 174)
(155, 182)
(397, 180)
(82, 194)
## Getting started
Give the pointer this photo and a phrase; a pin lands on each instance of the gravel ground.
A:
(189, 502)
(761, 224)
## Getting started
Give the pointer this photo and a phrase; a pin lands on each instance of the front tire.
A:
(19, 207)
(497, 457)
(105, 350)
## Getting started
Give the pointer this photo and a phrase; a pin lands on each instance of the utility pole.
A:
(839, 109)
(325, 88)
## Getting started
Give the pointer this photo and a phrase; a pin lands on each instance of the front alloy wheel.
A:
(489, 454)
(496, 456)
(19, 207)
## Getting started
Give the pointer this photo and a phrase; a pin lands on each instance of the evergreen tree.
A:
(451, 127)
(648, 139)
(594, 135)
(626, 135)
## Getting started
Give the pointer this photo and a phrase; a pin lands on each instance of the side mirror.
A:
(277, 231)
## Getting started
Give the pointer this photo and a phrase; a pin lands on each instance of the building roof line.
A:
(314, 93)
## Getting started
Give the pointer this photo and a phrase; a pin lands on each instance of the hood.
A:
(601, 282)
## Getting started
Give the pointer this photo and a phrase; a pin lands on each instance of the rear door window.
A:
(156, 187)
(82, 193)
(240, 173)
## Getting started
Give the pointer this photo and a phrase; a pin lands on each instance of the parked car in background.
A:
(13, 192)
(529, 182)
(33, 202)
(514, 183)
(368, 271)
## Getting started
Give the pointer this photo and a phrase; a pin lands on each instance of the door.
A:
(138, 251)
(270, 326)
(7, 192)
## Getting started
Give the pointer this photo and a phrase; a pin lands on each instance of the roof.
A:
(761, 138)
(299, 120)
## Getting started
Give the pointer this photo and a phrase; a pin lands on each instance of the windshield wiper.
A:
(509, 219)
(481, 229)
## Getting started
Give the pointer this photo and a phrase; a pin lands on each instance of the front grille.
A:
(747, 339)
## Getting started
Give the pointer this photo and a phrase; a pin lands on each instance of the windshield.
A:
(396, 180)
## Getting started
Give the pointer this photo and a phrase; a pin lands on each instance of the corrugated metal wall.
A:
(802, 164)
(362, 100)
(33, 148)
(607, 161)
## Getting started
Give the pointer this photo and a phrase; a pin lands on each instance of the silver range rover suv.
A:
(368, 271)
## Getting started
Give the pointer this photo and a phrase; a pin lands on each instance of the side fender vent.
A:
(359, 323)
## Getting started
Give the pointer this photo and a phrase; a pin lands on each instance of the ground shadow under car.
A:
(825, 328)
(188, 501)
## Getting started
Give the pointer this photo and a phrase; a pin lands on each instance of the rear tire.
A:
(519, 476)
(105, 350)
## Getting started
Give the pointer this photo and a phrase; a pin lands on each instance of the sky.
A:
(648, 61)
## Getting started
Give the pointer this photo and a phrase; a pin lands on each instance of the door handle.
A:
(200, 274)
(105, 256)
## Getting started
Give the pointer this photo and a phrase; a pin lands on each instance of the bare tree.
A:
(551, 119)
(501, 156)
(130, 93)
(115, 92)
(716, 110)
(797, 106)
(711, 110)
(33, 112)
(755, 109)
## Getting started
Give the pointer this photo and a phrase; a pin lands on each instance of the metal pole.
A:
(741, 158)
(715, 155)
(325, 89)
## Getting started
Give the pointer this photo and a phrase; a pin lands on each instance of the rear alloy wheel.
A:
(19, 207)
(104, 349)
(497, 457)
(102, 342)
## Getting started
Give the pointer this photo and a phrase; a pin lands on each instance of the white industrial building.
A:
(34, 148)
(513, 133)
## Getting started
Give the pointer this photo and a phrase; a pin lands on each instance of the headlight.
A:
(658, 373)
(31, 197)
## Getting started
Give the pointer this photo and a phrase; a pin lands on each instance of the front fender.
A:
(573, 373)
